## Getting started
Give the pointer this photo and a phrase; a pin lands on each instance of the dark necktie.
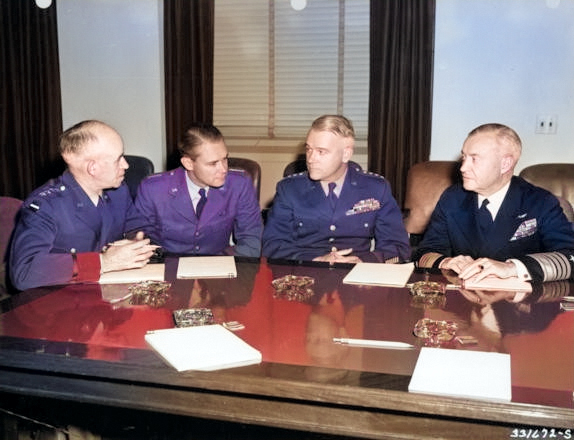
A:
(484, 216)
(201, 202)
(332, 196)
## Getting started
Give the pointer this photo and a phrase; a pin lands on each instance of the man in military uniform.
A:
(496, 223)
(71, 229)
(196, 208)
(333, 211)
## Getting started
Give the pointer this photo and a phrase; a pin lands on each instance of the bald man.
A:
(72, 228)
(496, 223)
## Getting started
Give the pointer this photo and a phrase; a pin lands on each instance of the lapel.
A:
(348, 195)
(84, 210)
(314, 195)
(511, 213)
(465, 219)
(215, 201)
(179, 197)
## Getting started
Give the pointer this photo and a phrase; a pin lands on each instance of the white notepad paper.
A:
(462, 373)
(204, 347)
(207, 267)
(512, 284)
(150, 272)
(380, 274)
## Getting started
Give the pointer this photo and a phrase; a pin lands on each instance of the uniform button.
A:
(333, 249)
(73, 250)
(332, 227)
(366, 225)
(331, 239)
(300, 224)
(197, 248)
(197, 234)
(62, 188)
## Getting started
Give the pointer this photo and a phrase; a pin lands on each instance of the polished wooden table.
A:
(72, 344)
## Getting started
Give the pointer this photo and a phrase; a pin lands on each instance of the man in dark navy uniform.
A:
(496, 223)
(71, 229)
(196, 209)
(333, 211)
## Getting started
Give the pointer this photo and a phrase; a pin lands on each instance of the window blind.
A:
(277, 69)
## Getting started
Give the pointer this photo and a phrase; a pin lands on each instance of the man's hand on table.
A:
(127, 254)
(341, 256)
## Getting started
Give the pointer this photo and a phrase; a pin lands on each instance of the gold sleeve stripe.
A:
(429, 259)
(554, 265)
(393, 260)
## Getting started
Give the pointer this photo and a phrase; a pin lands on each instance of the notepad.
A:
(204, 348)
(207, 267)
(462, 373)
(150, 272)
(380, 274)
(494, 283)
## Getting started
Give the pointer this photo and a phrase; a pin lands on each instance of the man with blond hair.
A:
(333, 212)
(72, 228)
(496, 223)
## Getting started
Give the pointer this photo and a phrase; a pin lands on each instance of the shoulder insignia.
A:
(295, 175)
(372, 174)
(51, 191)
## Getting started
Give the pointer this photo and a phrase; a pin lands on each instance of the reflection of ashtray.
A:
(428, 301)
(192, 317)
(294, 288)
(435, 332)
(150, 293)
(426, 288)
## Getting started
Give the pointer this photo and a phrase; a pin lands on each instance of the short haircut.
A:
(197, 135)
(504, 134)
(336, 124)
(76, 137)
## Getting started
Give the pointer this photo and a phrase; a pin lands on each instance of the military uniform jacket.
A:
(59, 219)
(302, 224)
(164, 200)
(530, 226)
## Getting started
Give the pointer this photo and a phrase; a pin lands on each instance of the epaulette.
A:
(295, 175)
(371, 174)
(52, 190)
(46, 193)
(155, 175)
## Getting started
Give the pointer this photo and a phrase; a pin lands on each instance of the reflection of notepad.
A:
(462, 373)
(380, 274)
(206, 267)
(150, 272)
(206, 347)
(494, 283)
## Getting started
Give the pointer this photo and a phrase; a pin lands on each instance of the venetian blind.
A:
(277, 69)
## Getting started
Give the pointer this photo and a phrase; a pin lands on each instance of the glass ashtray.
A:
(193, 317)
(435, 332)
(293, 287)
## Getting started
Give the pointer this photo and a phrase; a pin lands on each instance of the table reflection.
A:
(299, 331)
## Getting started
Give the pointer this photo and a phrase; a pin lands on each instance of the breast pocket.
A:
(305, 227)
(360, 225)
